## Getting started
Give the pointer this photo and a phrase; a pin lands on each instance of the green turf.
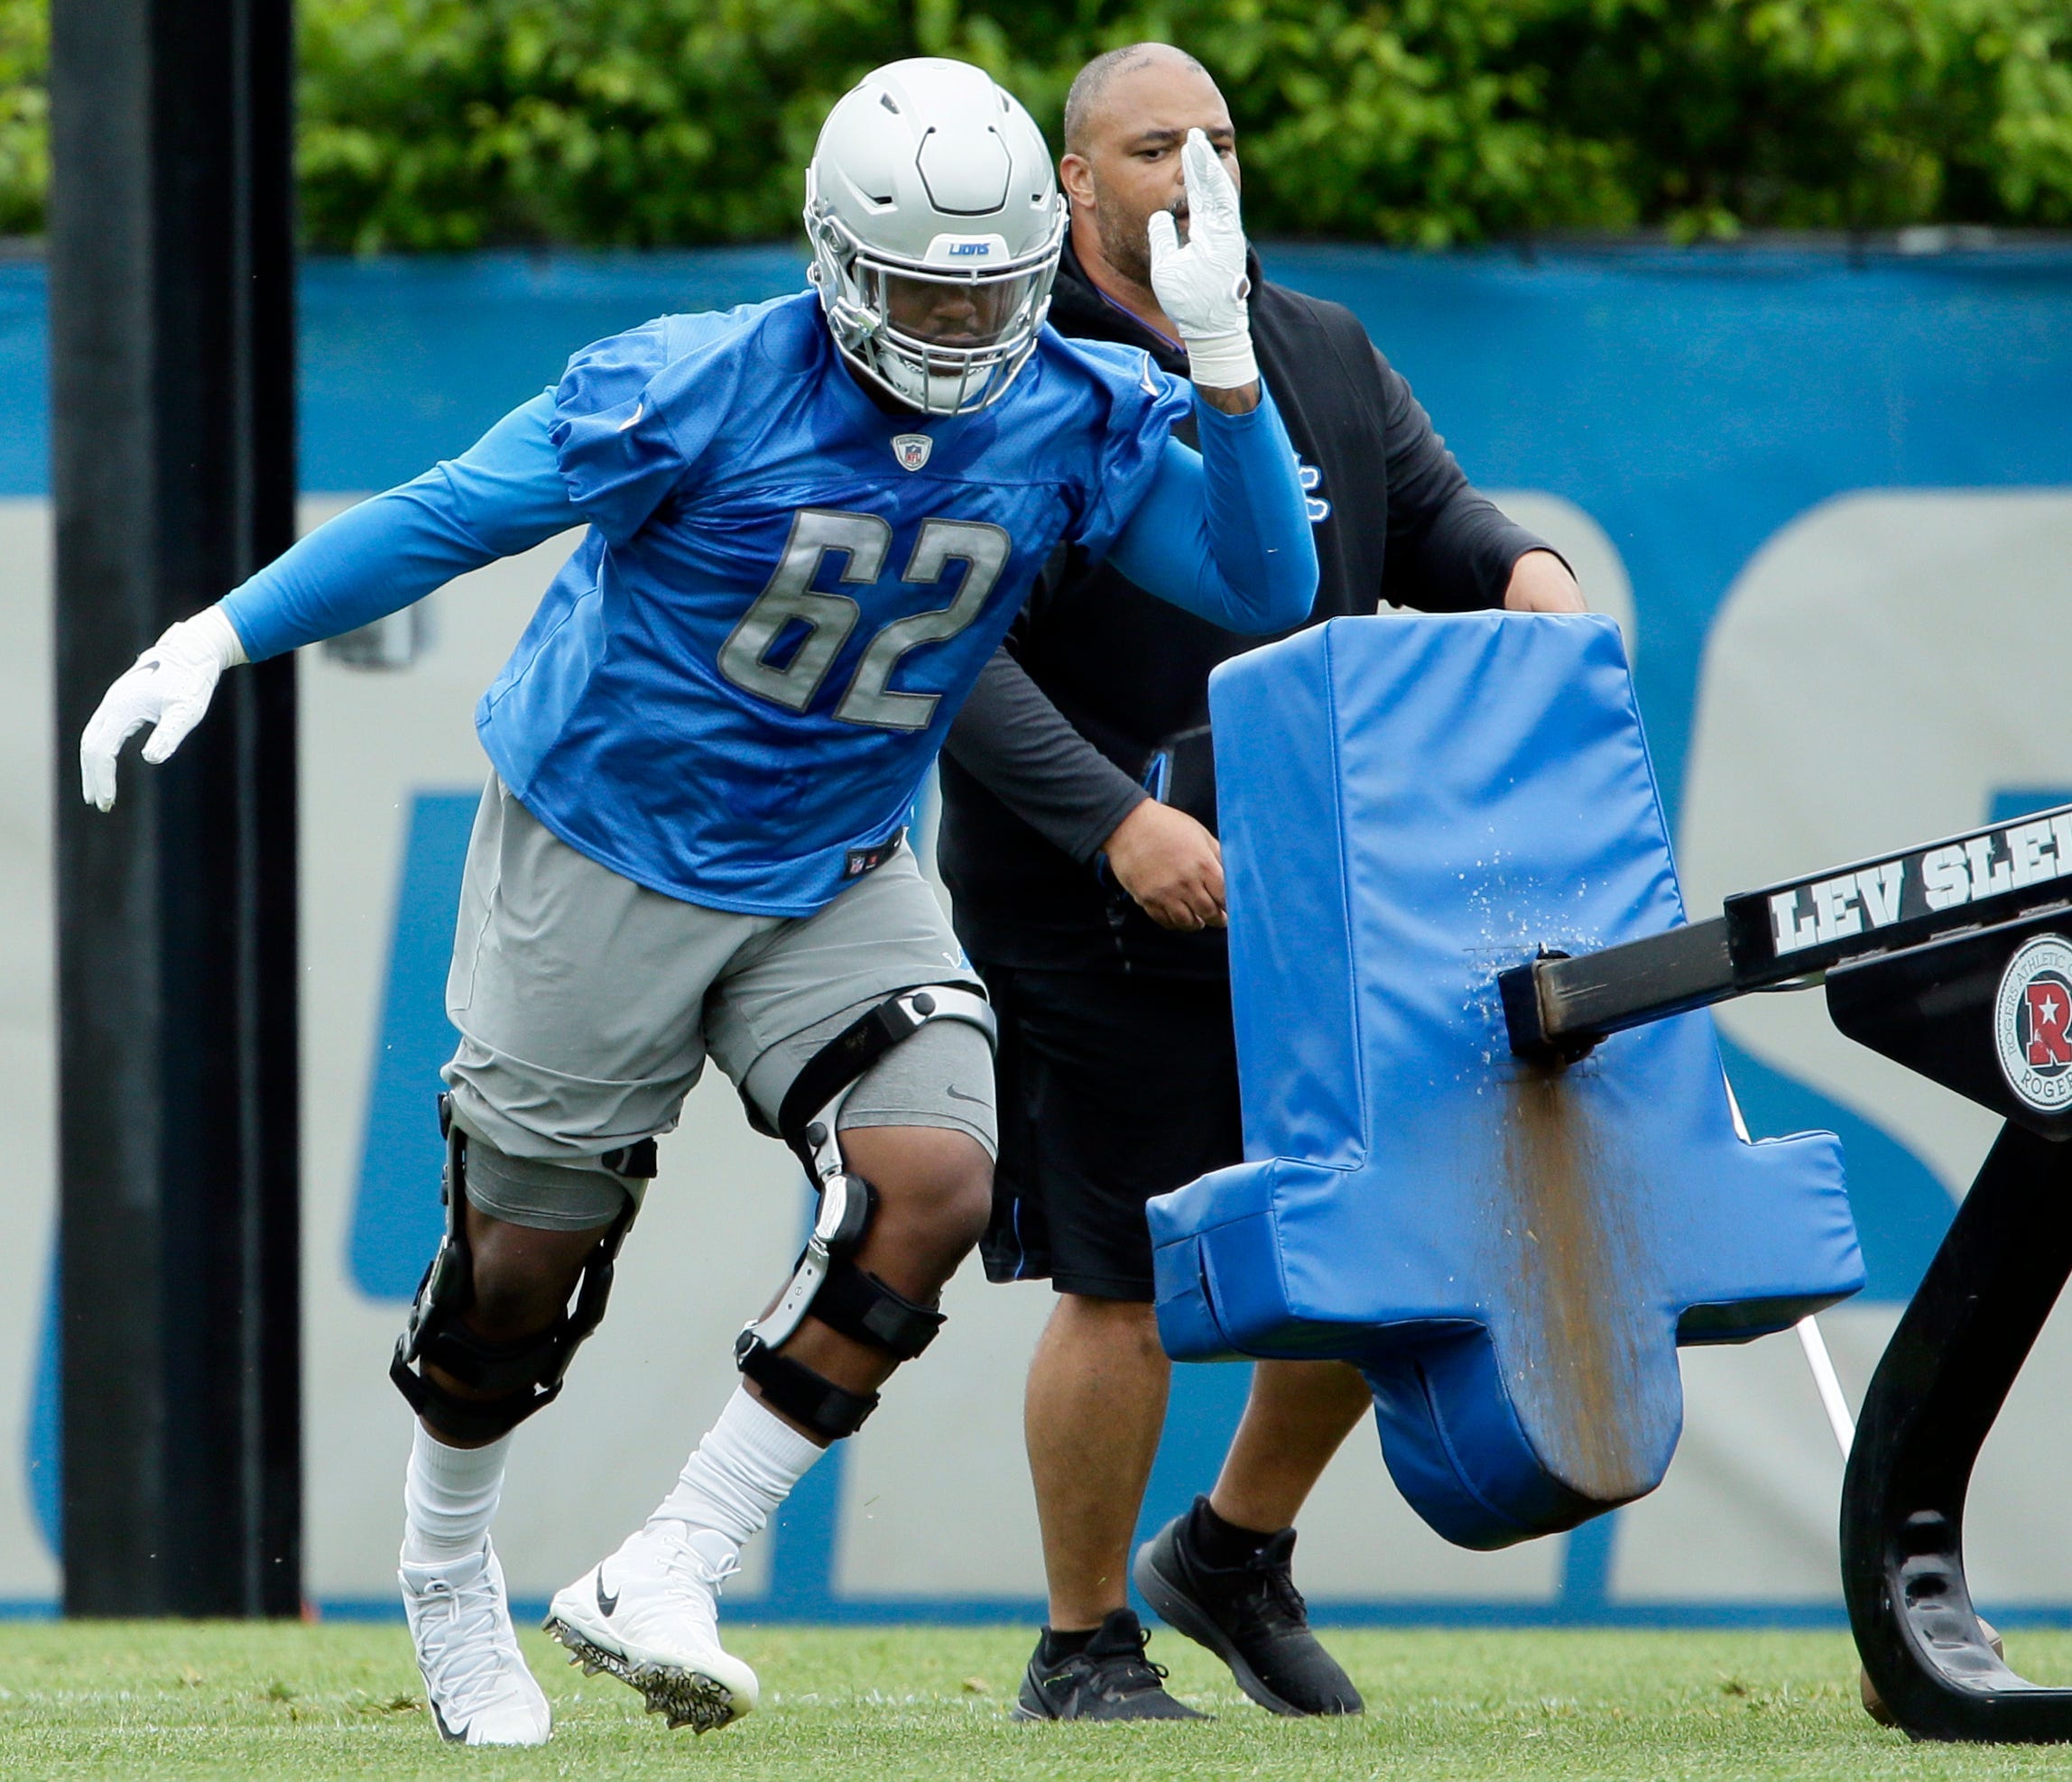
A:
(158, 1699)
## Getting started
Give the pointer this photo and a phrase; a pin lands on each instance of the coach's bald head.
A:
(1087, 101)
(1126, 117)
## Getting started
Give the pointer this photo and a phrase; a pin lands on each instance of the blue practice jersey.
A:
(733, 689)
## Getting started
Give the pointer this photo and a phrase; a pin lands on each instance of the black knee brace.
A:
(826, 1280)
(515, 1378)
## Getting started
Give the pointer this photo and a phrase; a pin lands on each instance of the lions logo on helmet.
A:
(936, 224)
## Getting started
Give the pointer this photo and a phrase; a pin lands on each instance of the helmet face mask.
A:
(936, 227)
(946, 343)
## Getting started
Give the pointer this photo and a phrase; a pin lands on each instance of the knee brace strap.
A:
(827, 1282)
(515, 1378)
(846, 1205)
(860, 1305)
(508, 1375)
(807, 1118)
(803, 1395)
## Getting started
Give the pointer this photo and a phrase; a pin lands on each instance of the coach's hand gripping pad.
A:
(1408, 807)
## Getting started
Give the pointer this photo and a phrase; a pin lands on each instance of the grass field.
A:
(214, 1699)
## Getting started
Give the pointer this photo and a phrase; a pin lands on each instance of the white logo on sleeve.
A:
(911, 449)
(1312, 480)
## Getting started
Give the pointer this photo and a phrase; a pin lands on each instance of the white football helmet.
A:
(936, 224)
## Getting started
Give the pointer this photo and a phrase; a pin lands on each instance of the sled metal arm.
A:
(1789, 934)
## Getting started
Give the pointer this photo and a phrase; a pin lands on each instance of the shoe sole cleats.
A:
(684, 1697)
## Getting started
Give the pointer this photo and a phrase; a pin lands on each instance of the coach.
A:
(1078, 843)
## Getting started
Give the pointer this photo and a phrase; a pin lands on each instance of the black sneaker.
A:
(1251, 1616)
(1110, 1679)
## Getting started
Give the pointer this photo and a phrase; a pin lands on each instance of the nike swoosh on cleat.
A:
(608, 1604)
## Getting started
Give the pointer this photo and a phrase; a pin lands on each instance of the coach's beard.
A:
(1127, 247)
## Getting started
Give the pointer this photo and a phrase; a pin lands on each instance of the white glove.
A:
(1202, 287)
(169, 687)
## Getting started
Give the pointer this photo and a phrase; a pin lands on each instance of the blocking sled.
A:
(1511, 1252)
(1954, 959)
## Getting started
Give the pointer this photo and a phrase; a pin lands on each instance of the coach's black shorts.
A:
(1113, 1088)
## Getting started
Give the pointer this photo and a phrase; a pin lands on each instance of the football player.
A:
(809, 523)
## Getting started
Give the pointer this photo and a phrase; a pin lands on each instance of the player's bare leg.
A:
(935, 1195)
(1223, 1574)
(523, 1277)
(648, 1613)
(475, 1680)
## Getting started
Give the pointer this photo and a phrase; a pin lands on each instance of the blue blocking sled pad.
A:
(1510, 1255)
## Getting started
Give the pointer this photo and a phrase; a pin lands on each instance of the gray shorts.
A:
(586, 1005)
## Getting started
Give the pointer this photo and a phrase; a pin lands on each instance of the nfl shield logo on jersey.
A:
(911, 449)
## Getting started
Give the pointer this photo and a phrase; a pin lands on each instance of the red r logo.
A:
(2049, 1013)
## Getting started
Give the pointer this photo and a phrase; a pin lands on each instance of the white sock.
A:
(740, 1473)
(449, 1496)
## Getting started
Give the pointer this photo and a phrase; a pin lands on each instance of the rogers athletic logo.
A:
(2032, 1023)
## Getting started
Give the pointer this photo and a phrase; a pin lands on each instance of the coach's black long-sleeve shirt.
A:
(1049, 754)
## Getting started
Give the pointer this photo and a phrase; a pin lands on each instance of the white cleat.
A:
(475, 1677)
(649, 1616)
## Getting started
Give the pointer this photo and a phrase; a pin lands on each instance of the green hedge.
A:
(25, 115)
(451, 123)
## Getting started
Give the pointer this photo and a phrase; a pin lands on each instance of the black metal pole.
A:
(173, 370)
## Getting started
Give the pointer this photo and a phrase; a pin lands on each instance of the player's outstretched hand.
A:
(1171, 865)
(169, 687)
(1202, 286)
